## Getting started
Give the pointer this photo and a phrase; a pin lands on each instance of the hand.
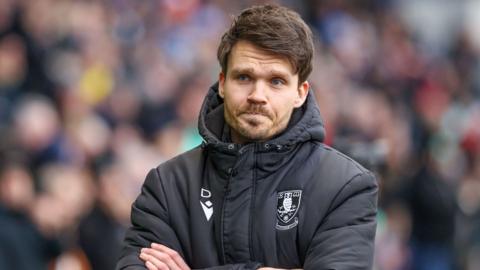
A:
(271, 268)
(160, 257)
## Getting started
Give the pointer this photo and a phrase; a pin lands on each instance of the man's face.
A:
(260, 91)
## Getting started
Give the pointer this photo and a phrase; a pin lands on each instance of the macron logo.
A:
(206, 204)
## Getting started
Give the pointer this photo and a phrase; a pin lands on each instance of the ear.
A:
(221, 84)
(302, 94)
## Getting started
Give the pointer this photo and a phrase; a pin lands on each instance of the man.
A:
(262, 190)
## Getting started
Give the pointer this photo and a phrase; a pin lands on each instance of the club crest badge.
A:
(288, 203)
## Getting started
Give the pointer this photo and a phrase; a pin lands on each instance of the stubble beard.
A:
(251, 129)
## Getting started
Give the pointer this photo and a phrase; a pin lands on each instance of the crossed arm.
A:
(343, 241)
(160, 257)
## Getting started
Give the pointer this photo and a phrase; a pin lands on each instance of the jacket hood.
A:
(305, 124)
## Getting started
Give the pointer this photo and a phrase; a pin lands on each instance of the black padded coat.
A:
(291, 202)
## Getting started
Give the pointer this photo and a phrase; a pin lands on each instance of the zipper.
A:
(252, 202)
(241, 151)
(225, 195)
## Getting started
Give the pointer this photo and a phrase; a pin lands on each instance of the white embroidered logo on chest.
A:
(288, 203)
(206, 204)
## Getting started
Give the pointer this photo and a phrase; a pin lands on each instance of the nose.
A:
(258, 93)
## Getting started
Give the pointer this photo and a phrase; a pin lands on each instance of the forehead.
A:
(246, 56)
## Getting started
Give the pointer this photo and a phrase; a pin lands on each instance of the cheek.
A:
(282, 115)
(233, 101)
(283, 106)
(230, 105)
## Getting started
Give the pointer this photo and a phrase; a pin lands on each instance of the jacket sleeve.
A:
(238, 266)
(345, 238)
(150, 224)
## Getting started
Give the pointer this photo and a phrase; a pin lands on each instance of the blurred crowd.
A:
(94, 93)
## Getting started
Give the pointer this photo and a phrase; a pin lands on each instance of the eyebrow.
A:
(237, 71)
(248, 70)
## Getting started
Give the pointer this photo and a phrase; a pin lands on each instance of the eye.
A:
(243, 78)
(277, 82)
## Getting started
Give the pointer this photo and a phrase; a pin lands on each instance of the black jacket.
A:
(291, 202)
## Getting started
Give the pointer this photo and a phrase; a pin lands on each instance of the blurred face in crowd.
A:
(16, 188)
(260, 91)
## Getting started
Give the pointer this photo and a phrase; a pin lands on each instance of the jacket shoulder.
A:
(191, 156)
(340, 168)
(182, 168)
(338, 157)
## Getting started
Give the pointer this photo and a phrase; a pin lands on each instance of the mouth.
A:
(255, 113)
(254, 119)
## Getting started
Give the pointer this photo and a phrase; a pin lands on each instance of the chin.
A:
(255, 135)
(254, 130)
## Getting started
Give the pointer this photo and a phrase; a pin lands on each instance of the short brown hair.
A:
(275, 29)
